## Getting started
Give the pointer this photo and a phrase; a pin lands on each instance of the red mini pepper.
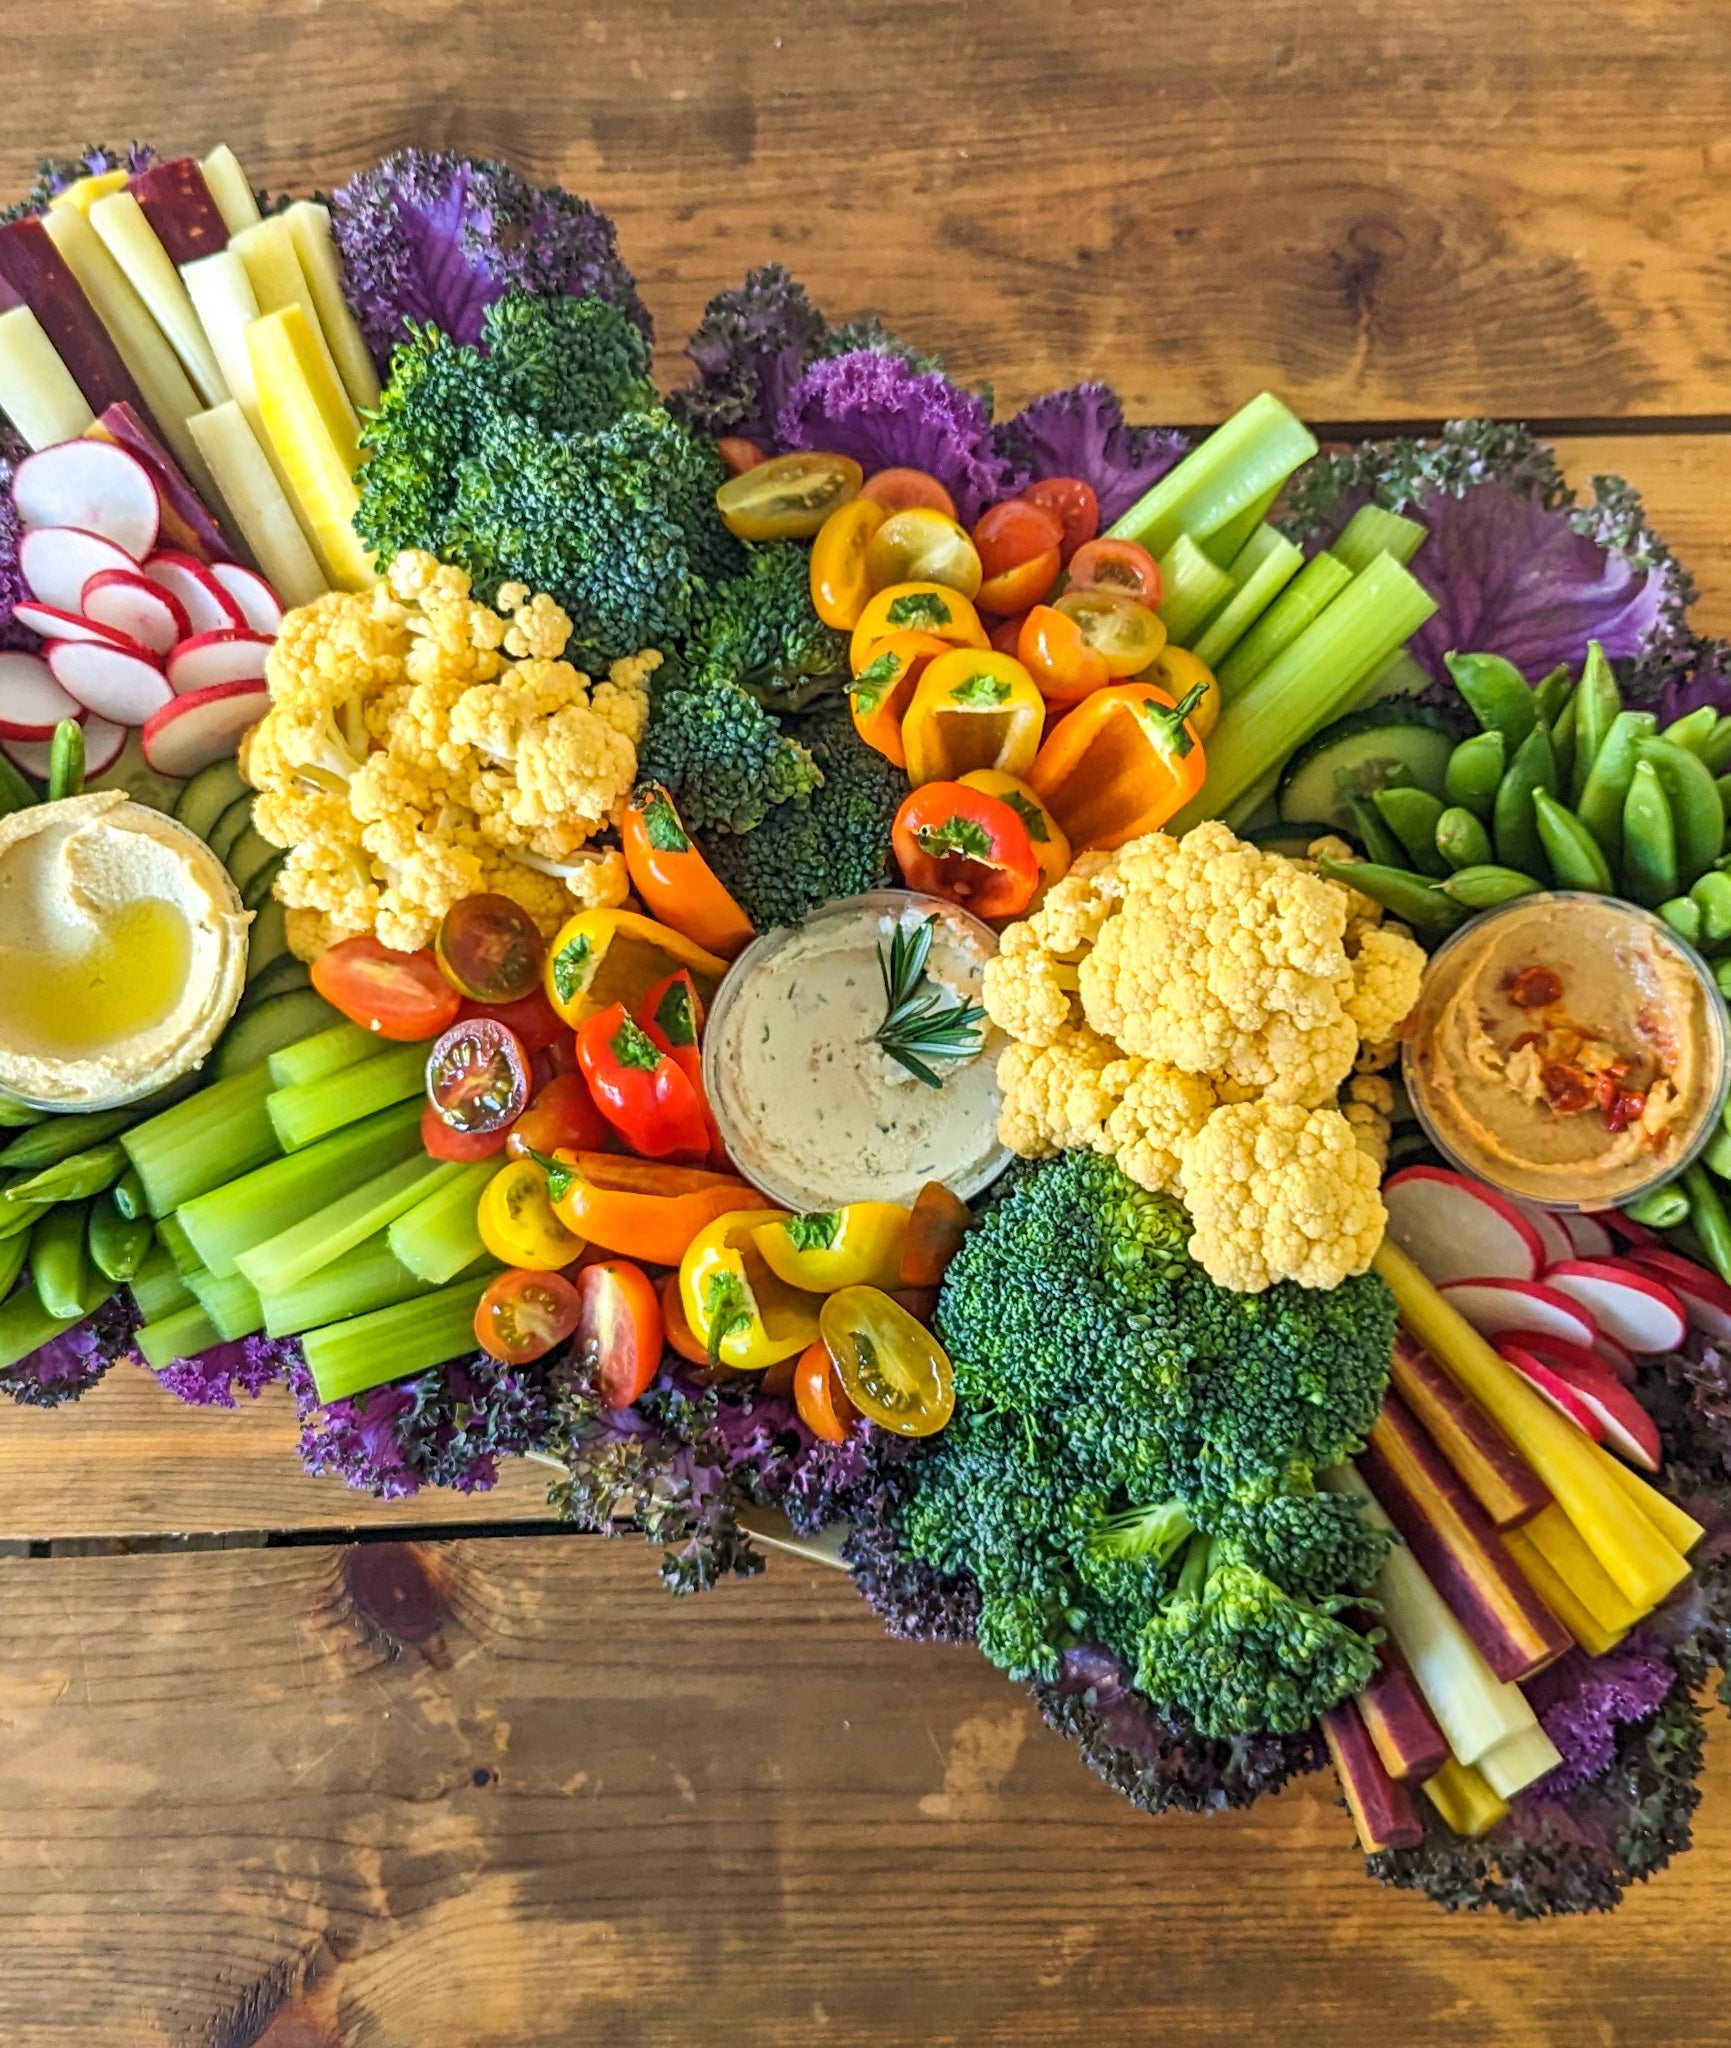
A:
(950, 840)
(640, 1089)
(672, 1014)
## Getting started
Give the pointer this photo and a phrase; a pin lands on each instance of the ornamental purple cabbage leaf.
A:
(1581, 1702)
(246, 1365)
(1082, 432)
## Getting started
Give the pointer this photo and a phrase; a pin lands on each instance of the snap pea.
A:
(1696, 812)
(61, 1136)
(1514, 830)
(1483, 888)
(16, 1115)
(15, 793)
(1713, 892)
(58, 1263)
(1659, 1208)
(1600, 805)
(16, 1216)
(1722, 975)
(1573, 852)
(1411, 815)
(1683, 915)
(66, 761)
(1474, 770)
(73, 1179)
(128, 1195)
(1597, 703)
(1496, 694)
(1692, 730)
(118, 1245)
(1414, 901)
(14, 1251)
(1649, 839)
(1717, 752)
(1717, 1154)
(1722, 783)
(1461, 839)
(1374, 836)
(1563, 736)
(1707, 1214)
(1551, 693)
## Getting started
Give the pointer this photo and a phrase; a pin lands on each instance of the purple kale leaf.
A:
(71, 1363)
(55, 173)
(1702, 676)
(12, 589)
(749, 350)
(247, 1365)
(1581, 1702)
(1082, 432)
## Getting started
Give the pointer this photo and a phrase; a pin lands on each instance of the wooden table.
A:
(482, 1785)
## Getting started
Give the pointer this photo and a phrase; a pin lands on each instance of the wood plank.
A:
(511, 1796)
(1411, 211)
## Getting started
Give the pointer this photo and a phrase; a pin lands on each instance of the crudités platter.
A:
(1129, 1029)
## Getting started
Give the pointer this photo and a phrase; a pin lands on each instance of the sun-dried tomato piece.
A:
(1534, 988)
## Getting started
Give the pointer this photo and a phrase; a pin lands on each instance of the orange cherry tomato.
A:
(1019, 544)
(1015, 589)
(440, 1140)
(563, 1113)
(675, 1328)
(1073, 504)
(820, 1397)
(1119, 566)
(841, 586)
(923, 546)
(1125, 634)
(739, 454)
(884, 688)
(619, 1329)
(788, 497)
(899, 490)
(401, 996)
(523, 1315)
(1052, 649)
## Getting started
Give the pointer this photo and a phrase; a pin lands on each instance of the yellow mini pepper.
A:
(973, 708)
(856, 1246)
(616, 956)
(744, 1315)
(916, 608)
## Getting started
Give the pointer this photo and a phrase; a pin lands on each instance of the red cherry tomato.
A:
(490, 949)
(533, 1020)
(562, 1113)
(739, 454)
(1118, 566)
(677, 1331)
(1018, 544)
(619, 1329)
(440, 1140)
(819, 1396)
(478, 1076)
(523, 1315)
(401, 996)
(900, 490)
(1073, 504)
(1007, 633)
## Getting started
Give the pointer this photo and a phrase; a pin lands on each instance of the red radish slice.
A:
(1497, 1308)
(107, 680)
(1705, 1297)
(1568, 1358)
(32, 703)
(1562, 1394)
(1452, 1228)
(93, 485)
(208, 607)
(211, 658)
(1627, 1427)
(103, 745)
(1555, 1240)
(135, 606)
(1587, 1234)
(54, 624)
(1631, 1307)
(189, 733)
(57, 561)
(1609, 1352)
(259, 604)
(1629, 1230)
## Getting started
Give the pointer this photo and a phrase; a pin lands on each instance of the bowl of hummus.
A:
(812, 1110)
(122, 951)
(1569, 1049)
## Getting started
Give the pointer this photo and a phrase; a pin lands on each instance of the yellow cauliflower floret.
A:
(1278, 1192)
(1367, 1103)
(1055, 1096)
(1159, 1110)
(333, 877)
(1027, 991)
(1075, 908)
(311, 932)
(1386, 972)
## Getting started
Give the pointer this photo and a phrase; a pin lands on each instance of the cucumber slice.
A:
(259, 886)
(1293, 837)
(1361, 753)
(208, 795)
(250, 852)
(284, 974)
(225, 835)
(268, 939)
(269, 1025)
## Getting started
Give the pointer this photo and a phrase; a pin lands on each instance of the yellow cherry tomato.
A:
(789, 497)
(972, 708)
(1126, 635)
(916, 608)
(841, 588)
(860, 1245)
(893, 1368)
(1177, 671)
(1051, 847)
(921, 545)
(738, 1309)
(517, 1223)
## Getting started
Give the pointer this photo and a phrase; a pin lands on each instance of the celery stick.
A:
(1399, 676)
(326, 1052)
(390, 1343)
(231, 1303)
(1373, 531)
(1192, 589)
(314, 1109)
(218, 1134)
(158, 1288)
(1236, 468)
(272, 1198)
(182, 1335)
(171, 1235)
(1225, 545)
(437, 1238)
(295, 1254)
(1316, 586)
(1257, 589)
(1317, 677)
(368, 1277)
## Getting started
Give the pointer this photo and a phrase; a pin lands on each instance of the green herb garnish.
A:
(728, 1307)
(921, 1023)
(919, 608)
(571, 967)
(813, 1232)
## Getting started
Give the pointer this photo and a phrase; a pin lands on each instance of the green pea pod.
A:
(1722, 783)
(1374, 836)
(1514, 830)
(66, 761)
(1716, 1153)
(1474, 770)
(1600, 804)
(1410, 898)
(1411, 815)
(1661, 1208)
(16, 1115)
(15, 793)
(1572, 851)
(14, 1252)
(1563, 734)
(1696, 811)
(1707, 1214)
(74, 1179)
(1462, 840)
(58, 1263)
(118, 1245)
(1551, 693)
(1693, 731)
(1483, 888)
(1649, 839)
(1717, 752)
(1597, 703)
(1722, 975)
(1496, 694)
(128, 1193)
(61, 1136)
(1683, 915)
(1713, 892)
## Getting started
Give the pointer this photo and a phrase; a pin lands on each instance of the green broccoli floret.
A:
(761, 630)
(429, 416)
(575, 365)
(726, 762)
(1312, 1543)
(837, 843)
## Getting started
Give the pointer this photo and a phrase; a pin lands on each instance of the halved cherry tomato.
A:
(923, 546)
(523, 1315)
(1015, 589)
(619, 1329)
(674, 1327)
(1073, 504)
(1019, 550)
(893, 1368)
(478, 1076)
(899, 490)
(516, 1221)
(936, 1227)
(401, 996)
(490, 949)
(563, 1113)
(440, 1140)
(820, 1397)
(884, 688)
(739, 454)
(1051, 647)
(916, 608)
(1119, 566)
(1125, 634)
(1177, 671)
(1007, 633)
(788, 497)
(841, 585)
(533, 1019)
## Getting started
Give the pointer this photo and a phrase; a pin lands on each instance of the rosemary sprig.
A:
(921, 1023)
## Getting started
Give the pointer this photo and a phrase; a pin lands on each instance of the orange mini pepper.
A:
(675, 881)
(916, 608)
(884, 688)
(644, 1208)
(1119, 765)
(840, 587)
(973, 708)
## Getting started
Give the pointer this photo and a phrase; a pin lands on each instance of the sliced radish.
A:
(208, 607)
(1552, 1236)
(103, 745)
(1587, 1234)
(1629, 1230)
(1626, 1426)
(1631, 1307)
(1561, 1392)
(1567, 1357)
(93, 485)
(259, 604)
(1705, 1297)
(1497, 1308)
(107, 680)
(53, 624)
(57, 561)
(1454, 1228)
(189, 733)
(133, 605)
(1609, 1352)
(211, 658)
(32, 703)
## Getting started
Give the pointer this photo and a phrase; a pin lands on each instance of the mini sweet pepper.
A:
(1121, 764)
(745, 1315)
(974, 708)
(616, 956)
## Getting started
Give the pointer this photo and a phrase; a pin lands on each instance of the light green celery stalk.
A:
(296, 1254)
(1233, 472)
(437, 1238)
(218, 1134)
(231, 1303)
(1373, 530)
(158, 1288)
(326, 1052)
(1299, 605)
(313, 1109)
(1192, 589)
(1259, 582)
(391, 1343)
(171, 1235)
(1229, 542)
(183, 1334)
(368, 1277)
